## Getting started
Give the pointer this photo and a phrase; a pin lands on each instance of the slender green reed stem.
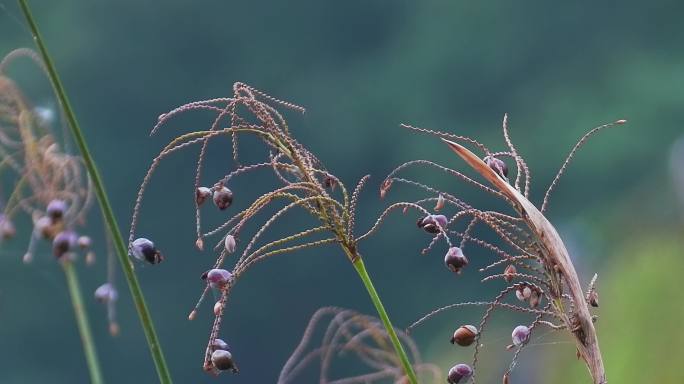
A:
(398, 348)
(107, 212)
(83, 323)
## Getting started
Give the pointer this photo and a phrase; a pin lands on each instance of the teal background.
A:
(360, 69)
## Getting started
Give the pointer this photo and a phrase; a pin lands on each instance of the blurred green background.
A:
(360, 69)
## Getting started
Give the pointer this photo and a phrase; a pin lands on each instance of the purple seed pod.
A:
(217, 308)
(455, 260)
(459, 373)
(7, 229)
(56, 210)
(432, 223)
(464, 336)
(223, 197)
(106, 293)
(202, 194)
(63, 243)
(523, 293)
(144, 250)
(520, 335)
(498, 165)
(329, 182)
(219, 344)
(230, 244)
(223, 361)
(509, 273)
(217, 278)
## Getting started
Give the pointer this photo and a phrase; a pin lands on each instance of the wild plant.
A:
(352, 338)
(302, 183)
(51, 187)
(529, 256)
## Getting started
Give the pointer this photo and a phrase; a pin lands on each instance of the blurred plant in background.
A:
(348, 332)
(49, 185)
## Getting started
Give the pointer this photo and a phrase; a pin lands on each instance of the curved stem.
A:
(83, 323)
(398, 348)
(107, 212)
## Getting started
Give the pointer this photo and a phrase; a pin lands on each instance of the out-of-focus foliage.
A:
(360, 68)
(641, 316)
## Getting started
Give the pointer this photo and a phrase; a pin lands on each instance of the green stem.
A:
(83, 323)
(398, 349)
(107, 212)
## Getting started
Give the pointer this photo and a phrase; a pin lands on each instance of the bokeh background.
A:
(360, 69)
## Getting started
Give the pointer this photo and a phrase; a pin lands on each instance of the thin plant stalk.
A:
(107, 212)
(360, 268)
(83, 323)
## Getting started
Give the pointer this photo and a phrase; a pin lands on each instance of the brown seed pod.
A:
(464, 335)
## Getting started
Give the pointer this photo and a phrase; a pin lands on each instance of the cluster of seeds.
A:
(302, 183)
(534, 261)
(49, 184)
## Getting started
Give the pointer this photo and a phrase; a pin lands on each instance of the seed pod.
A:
(144, 250)
(455, 260)
(202, 194)
(498, 165)
(223, 361)
(218, 278)
(386, 185)
(535, 298)
(432, 223)
(56, 210)
(219, 344)
(464, 336)
(230, 244)
(7, 229)
(223, 197)
(106, 293)
(43, 227)
(440, 203)
(329, 182)
(509, 273)
(217, 308)
(520, 335)
(459, 373)
(84, 242)
(592, 298)
(63, 243)
(523, 293)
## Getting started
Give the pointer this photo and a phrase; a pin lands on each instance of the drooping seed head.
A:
(459, 373)
(219, 344)
(464, 335)
(509, 273)
(230, 244)
(520, 335)
(106, 293)
(56, 210)
(432, 223)
(63, 243)
(223, 197)
(202, 194)
(144, 250)
(7, 229)
(498, 165)
(218, 278)
(223, 361)
(455, 260)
